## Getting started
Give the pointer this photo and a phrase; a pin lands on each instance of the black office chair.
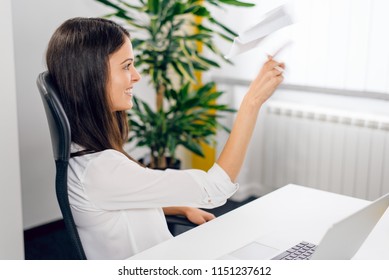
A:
(61, 139)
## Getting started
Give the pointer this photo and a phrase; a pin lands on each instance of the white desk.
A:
(286, 216)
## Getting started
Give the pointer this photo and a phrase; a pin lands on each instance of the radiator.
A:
(332, 150)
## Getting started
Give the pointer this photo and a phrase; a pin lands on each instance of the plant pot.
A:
(177, 163)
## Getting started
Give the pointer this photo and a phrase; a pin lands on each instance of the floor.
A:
(50, 242)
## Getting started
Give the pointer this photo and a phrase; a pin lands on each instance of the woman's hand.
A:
(195, 215)
(267, 80)
(198, 216)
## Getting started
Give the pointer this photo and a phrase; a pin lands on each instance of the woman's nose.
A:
(136, 77)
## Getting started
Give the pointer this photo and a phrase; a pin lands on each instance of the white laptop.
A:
(341, 241)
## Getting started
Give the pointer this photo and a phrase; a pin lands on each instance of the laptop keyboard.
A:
(301, 251)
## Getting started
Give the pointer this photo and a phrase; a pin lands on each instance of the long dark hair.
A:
(78, 60)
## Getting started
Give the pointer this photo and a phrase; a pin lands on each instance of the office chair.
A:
(61, 139)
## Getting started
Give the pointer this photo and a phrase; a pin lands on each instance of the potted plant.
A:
(186, 112)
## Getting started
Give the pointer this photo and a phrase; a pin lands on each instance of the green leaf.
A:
(137, 8)
(205, 88)
(211, 46)
(223, 26)
(225, 37)
(110, 4)
(213, 96)
(205, 61)
(172, 145)
(185, 49)
(123, 15)
(193, 147)
(237, 3)
(214, 3)
(197, 37)
(201, 27)
(199, 66)
(225, 128)
(136, 43)
(177, 9)
(185, 91)
(201, 11)
(153, 6)
(175, 67)
(148, 109)
(187, 71)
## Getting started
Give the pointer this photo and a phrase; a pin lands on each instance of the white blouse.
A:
(117, 204)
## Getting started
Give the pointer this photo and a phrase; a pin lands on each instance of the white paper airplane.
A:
(253, 37)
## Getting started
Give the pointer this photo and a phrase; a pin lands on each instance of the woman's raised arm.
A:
(261, 88)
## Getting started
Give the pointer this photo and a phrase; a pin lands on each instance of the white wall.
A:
(11, 234)
(34, 22)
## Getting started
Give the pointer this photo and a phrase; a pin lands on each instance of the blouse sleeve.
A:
(113, 182)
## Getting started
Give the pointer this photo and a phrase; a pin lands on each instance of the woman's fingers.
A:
(198, 216)
(276, 65)
(270, 66)
(267, 80)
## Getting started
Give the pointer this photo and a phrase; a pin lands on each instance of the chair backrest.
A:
(60, 139)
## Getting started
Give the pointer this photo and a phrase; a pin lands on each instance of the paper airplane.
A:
(254, 36)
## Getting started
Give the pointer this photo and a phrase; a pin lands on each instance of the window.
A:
(339, 44)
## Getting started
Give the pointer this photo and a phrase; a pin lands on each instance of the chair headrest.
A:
(58, 122)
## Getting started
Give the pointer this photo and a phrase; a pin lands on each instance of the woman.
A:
(118, 205)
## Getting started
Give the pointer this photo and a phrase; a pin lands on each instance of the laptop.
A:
(341, 241)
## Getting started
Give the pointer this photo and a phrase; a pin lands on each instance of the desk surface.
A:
(286, 216)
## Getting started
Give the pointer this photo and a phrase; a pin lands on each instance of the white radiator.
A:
(332, 150)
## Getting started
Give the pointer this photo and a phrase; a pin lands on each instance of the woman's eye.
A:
(127, 67)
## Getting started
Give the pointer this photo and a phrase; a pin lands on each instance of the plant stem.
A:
(160, 95)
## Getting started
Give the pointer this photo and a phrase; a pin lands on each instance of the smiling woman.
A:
(78, 57)
(119, 205)
(122, 77)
